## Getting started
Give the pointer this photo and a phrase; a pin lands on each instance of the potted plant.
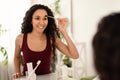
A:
(3, 51)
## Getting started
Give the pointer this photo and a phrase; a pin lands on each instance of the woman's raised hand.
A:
(62, 23)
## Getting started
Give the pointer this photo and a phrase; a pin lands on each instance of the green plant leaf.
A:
(3, 51)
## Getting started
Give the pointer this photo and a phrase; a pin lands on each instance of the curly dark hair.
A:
(106, 47)
(51, 30)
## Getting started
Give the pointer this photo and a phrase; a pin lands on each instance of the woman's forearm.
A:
(17, 64)
(70, 45)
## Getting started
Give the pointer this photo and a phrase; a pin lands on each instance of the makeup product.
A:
(51, 17)
(31, 71)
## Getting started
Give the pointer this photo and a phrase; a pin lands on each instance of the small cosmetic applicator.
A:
(51, 17)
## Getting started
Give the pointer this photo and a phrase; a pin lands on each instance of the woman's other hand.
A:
(17, 75)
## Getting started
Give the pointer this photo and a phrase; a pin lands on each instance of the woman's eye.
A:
(37, 18)
(45, 18)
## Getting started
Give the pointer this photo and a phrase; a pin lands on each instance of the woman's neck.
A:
(37, 35)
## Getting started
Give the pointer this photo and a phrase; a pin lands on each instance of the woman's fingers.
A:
(62, 22)
(17, 75)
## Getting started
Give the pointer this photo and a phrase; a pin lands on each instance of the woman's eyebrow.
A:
(46, 15)
(40, 16)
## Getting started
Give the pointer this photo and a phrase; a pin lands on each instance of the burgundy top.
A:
(34, 56)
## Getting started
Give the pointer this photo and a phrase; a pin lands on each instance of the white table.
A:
(51, 76)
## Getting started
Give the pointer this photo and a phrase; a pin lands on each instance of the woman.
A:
(39, 40)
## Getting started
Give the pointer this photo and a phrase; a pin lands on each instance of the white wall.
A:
(86, 14)
(11, 16)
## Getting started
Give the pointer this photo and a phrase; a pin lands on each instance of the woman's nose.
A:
(41, 22)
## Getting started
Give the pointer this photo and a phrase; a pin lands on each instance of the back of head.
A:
(106, 47)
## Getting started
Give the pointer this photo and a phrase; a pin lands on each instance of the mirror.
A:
(83, 17)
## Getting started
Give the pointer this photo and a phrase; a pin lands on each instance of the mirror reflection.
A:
(81, 19)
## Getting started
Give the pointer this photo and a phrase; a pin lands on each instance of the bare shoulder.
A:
(19, 39)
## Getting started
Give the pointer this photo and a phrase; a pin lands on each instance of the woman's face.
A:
(39, 20)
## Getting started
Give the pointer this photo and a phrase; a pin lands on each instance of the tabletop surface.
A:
(51, 76)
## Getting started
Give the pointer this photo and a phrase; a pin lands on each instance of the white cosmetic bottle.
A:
(30, 69)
